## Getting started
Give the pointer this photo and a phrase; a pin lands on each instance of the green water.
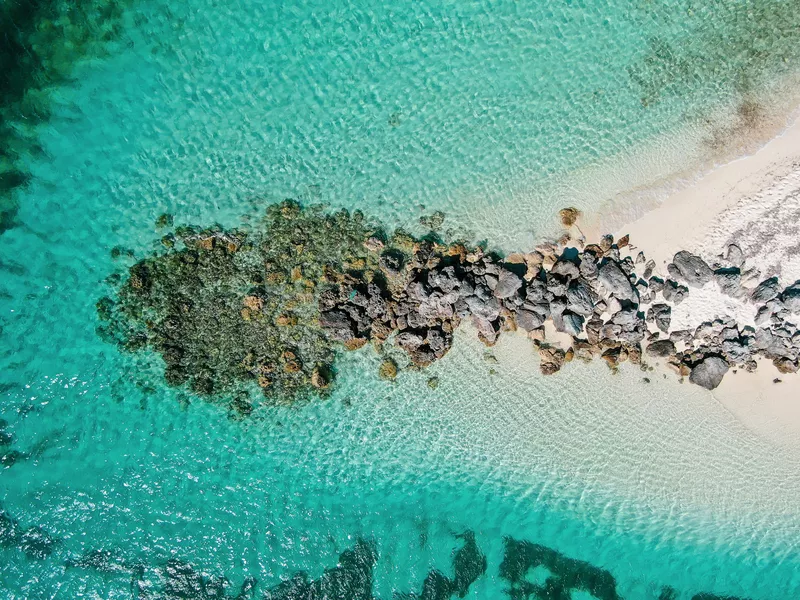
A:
(209, 111)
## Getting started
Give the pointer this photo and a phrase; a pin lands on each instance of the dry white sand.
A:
(753, 202)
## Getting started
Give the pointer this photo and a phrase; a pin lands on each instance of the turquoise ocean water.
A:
(209, 110)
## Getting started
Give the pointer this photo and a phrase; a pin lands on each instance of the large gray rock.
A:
(736, 351)
(489, 329)
(661, 314)
(765, 291)
(569, 323)
(556, 285)
(627, 319)
(529, 320)
(588, 267)
(558, 306)
(763, 315)
(791, 298)
(507, 285)
(709, 372)
(445, 279)
(728, 280)
(691, 268)
(579, 299)
(735, 256)
(566, 268)
(408, 340)
(337, 324)
(660, 348)
(674, 293)
(536, 291)
(486, 309)
(616, 282)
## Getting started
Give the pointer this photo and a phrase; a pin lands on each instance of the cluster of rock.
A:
(233, 310)
(608, 305)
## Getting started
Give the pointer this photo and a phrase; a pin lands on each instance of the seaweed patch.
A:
(41, 43)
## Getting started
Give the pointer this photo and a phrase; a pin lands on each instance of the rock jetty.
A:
(610, 306)
(235, 310)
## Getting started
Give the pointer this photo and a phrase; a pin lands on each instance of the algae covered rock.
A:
(388, 370)
(222, 310)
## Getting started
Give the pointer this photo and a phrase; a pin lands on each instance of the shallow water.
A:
(211, 110)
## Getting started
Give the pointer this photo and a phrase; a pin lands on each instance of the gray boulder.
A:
(461, 308)
(408, 340)
(579, 299)
(536, 291)
(728, 280)
(661, 315)
(683, 335)
(566, 268)
(736, 351)
(709, 372)
(569, 323)
(765, 291)
(489, 329)
(445, 279)
(529, 320)
(626, 319)
(508, 284)
(556, 285)
(656, 284)
(660, 348)
(588, 267)
(337, 324)
(616, 282)
(735, 256)
(558, 306)
(648, 269)
(791, 298)
(487, 309)
(675, 293)
(691, 268)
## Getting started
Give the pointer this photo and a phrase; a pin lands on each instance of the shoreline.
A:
(751, 201)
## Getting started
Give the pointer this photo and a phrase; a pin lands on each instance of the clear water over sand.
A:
(209, 112)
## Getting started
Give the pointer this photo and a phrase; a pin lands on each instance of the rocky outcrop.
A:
(227, 308)
(610, 306)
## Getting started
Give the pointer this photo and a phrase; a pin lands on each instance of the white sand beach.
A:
(753, 202)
